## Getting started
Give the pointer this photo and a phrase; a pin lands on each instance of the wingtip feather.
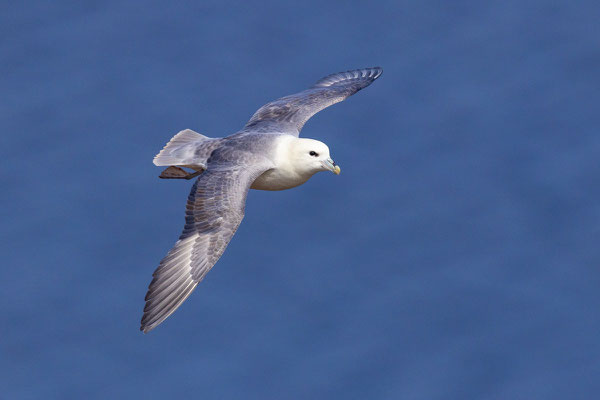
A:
(368, 74)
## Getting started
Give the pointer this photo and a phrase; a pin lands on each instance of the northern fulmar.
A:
(267, 154)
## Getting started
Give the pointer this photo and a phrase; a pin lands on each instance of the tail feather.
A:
(177, 151)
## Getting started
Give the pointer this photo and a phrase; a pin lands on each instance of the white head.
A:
(311, 156)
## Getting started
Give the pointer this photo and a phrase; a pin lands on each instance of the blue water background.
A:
(456, 257)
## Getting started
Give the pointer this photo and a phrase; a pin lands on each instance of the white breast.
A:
(278, 179)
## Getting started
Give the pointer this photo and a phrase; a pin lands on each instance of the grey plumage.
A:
(215, 206)
(214, 210)
(289, 114)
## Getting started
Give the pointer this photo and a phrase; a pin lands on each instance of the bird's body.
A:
(266, 154)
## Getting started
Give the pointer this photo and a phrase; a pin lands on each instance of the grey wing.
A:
(214, 210)
(289, 114)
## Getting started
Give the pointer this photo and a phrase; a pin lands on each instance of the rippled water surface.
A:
(456, 256)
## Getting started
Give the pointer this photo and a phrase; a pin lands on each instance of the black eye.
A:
(314, 154)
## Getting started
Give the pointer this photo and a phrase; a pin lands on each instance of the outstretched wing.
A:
(289, 114)
(214, 210)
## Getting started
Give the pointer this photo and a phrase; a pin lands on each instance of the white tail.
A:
(178, 151)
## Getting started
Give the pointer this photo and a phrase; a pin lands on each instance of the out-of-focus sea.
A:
(456, 257)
